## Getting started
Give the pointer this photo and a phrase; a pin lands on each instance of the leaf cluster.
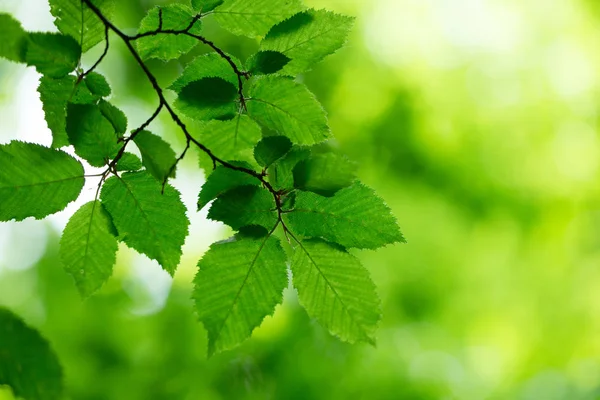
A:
(261, 135)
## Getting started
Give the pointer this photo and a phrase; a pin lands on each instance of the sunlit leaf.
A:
(157, 155)
(238, 284)
(149, 221)
(254, 17)
(52, 54)
(36, 181)
(324, 174)
(354, 217)
(243, 206)
(336, 289)
(307, 38)
(289, 108)
(88, 247)
(222, 180)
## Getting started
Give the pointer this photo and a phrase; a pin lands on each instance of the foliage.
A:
(261, 136)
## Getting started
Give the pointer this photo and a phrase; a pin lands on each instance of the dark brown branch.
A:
(104, 53)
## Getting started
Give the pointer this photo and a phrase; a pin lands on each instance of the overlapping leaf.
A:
(266, 62)
(129, 162)
(157, 155)
(152, 223)
(92, 135)
(52, 54)
(336, 289)
(254, 17)
(115, 116)
(88, 247)
(206, 5)
(222, 180)
(77, 20)
(354, 217)
(210, 65)
(13, 45)
(27, 362)
(288, 107)
(324, 173)
(244, 206)
(271, 149)
(281, 173)
(36, 181)
(238, 283)
(307, 38)
(174, 17)
(208, 98)
(229, 140)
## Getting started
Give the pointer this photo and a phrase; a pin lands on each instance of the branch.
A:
(174, 116)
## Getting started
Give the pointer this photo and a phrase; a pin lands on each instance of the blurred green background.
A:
(476, 120)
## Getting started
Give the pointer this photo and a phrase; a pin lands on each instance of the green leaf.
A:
(92, 135)
(129, 162)
(288, 107)
(55, 93)
(52, 54)
(354, 217)
(115, 116)
(229, 140)
(36, 181)
(271, 149)
(336, 289)
(88, 247)
(307, 38)
(208, 98)
(77, 20)
(238, 283)
(281, 174)
(243, 206)
(13, 43)
(254, 17)
(210, 65)
(157, 155)
(206, 5)
(152, 223)
(27, 362)
(97, 84)
(167, 46)
(266, 62)
(324, 174)
(222, 180)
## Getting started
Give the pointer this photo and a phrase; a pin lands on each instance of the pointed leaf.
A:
(157, 155)
(307, 38)
(88, 247)
(266, 62)
(229, 140)
(129, 162)
(27, 362)
(77, 20)
(243, 206)
(36, 181)
(222, 180)
(324, 174)
(55, 93)
(167, 46)
(206, 5)
(115, 116)
(281, 172)
(238, 284)
(152, 223)
(210, 65)
(254, 17)
(13, 43)
(92, 135)
(354, 217)
(97, 84)
(271, 149)
(52, 54)
(337, 290)
(208, 98)
(288, 107)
